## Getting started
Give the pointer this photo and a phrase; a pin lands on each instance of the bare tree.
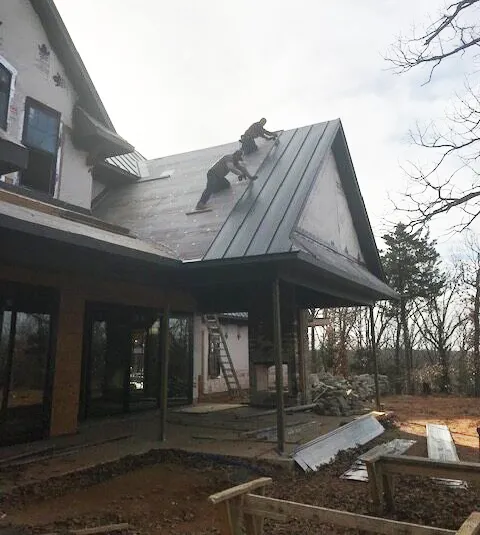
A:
(438, 322)
(451, 182)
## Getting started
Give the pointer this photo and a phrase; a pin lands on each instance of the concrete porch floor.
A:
(242, 432)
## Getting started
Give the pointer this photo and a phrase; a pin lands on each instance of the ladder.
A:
(223, 355)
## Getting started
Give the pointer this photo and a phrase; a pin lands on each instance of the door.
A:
(26, 357)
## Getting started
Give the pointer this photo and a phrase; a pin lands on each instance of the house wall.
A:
(237, 340)
(21, 35)
(75, 291)
(327, 217)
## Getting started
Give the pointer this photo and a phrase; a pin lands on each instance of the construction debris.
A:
(324, 449)
(441, 447)
(337, 396)
(358, 471)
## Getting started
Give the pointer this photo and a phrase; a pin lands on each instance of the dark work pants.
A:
(248, 145)
(215, 183)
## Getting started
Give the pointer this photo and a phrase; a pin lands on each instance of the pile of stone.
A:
(337, 396)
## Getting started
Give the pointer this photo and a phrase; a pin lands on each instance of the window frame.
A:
(33, 103)
(13, 75)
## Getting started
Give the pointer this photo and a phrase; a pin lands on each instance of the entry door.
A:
(25, 372)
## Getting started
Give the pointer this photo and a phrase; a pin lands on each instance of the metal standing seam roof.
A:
(127, 162)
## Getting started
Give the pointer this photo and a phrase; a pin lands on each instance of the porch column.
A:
(277, 353)
(374, 358)
(68, 363)
(165, 349)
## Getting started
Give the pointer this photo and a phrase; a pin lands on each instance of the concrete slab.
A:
(206, 408)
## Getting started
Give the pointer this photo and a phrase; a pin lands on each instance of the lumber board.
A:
(244, 488)
(471, 526)
(272, 508)
(420, 466)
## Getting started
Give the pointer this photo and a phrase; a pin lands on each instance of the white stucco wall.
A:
(327, 216)
(21, 34)
(237, 341)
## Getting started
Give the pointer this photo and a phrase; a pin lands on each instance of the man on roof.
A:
(252, 132)
(216, 181)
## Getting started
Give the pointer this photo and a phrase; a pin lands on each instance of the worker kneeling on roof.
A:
(216, 180)
(252, 132)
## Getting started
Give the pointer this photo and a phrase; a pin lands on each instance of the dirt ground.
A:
(166, 493)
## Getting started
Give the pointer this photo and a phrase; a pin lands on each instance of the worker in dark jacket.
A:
(216, 180)
(254, 131)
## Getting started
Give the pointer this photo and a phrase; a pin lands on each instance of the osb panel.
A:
(68, 363)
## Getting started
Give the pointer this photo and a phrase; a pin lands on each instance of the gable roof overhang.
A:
(232, 284)
(81, 235)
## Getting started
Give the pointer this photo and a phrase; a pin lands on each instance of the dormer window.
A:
(5, 84)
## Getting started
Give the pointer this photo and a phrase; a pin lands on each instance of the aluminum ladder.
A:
(223, 356)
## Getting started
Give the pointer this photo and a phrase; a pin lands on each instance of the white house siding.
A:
(237, 340)
(21, 35)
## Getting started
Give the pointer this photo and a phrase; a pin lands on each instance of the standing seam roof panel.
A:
(251, 226)
(241, 211)
(298, 199)
(280, 205)
(260, 240)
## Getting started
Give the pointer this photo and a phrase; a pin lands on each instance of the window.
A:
(40, 135)
(5, 84)
(213, 356)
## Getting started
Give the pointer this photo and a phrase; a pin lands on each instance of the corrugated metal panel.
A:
(441, 447)
(323, 450)
(358, 471)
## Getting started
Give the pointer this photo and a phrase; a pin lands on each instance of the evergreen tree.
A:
(411, 265)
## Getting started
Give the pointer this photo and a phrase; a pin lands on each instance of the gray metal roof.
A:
(127, 162)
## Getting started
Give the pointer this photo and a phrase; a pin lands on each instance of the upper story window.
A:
(5, 85)
(40, 135)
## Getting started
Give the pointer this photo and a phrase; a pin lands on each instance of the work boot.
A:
(201, 206)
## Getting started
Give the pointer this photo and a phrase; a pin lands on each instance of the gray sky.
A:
(177, 75)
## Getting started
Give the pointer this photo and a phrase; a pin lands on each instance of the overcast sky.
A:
(177, 75)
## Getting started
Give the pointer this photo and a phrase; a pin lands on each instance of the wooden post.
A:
(375, 483)
(277, 353)
(165, 345)
(374, 358)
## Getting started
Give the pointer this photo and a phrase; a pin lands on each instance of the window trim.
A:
(31, 102)
(13, 72)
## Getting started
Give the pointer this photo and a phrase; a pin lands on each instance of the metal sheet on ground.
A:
(441, 447)
(358, 471)
(323, 450)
